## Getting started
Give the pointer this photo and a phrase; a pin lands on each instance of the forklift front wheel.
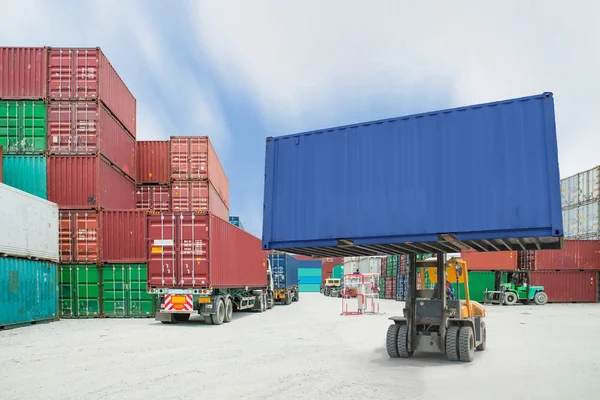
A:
(466, 344)
(452, 343)
(391, 341)
(402, 342)
(510, 298)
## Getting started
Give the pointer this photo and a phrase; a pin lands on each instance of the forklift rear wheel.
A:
(452, 343)
(181, 317)
(228, 310)
(402, 342)
(481, 347)
(510, 298)
(540, 298)
(391, 341)
(466, 344)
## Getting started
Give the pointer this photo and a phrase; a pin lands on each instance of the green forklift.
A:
(515, 288)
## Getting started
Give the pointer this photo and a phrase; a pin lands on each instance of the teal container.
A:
(26, 173)
(307, 272)
(310, 280)
(338, 272)
(28, 292)
(309, 287)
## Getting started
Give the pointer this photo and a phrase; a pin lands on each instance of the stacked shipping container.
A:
(154, 183)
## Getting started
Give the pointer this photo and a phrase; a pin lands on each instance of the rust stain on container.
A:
(23, 73)
(575, 255)
(491, 261)
(153, 161)
(86, 74)
(568, 286)
(194, 158)
(153, 198)
(86, 182)
(86, 128)
(188, 250)
(197, 196)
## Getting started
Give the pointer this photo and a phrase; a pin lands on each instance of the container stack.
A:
(153, 191)
(28, 257)
(309, 275)
(580, 195)
(198, 181)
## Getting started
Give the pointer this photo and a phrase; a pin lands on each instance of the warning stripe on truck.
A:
(179, 302)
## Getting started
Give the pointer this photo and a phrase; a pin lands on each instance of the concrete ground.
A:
(303, 351)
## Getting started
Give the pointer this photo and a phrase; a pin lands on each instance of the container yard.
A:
(125, 253)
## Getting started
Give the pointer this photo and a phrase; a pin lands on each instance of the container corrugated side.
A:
(23, 126)
(569, 190)
(500, 260)
(197, 196)
(23, 72)
(156, 198)
(87, 128)
(80, 291)
(189, 250)
(568, 286)
(194, 158)
(86, 74)
(28, 291)
(314, 180)
(589, 185)
(588, 218)
(26, 173)
(80, 236)
(576, 255)
(86, 182)
(153, 161)
(124, 291)
(571, 222)
(29, 225)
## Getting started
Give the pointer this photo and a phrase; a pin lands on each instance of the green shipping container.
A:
(309, 287)
(124, 291)
(478, 282)
(338, 272)
(79, 293)
(23, 126)
(26, 173)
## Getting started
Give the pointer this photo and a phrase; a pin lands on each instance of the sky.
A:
(240, 71)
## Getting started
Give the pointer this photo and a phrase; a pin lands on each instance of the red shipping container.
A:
(197, 196)
(115, 236)
(86, 74)
(327, 265)
(155, 198)
(301, 258)
(23, 73)
(189, 250)
(87, 128)
(153, 161)
(575, 255)
(568, 286)
(193, 158)
(490, 261)
(86, 182)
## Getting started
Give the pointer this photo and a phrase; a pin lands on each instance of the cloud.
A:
(302, 57)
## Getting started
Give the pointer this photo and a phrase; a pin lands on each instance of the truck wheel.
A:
(270, 302)
(263, 303)
(481, 347)
(217, 319)
(510, 298)
(296, 297)
(228, 310)
(181, 317)
(540, 298)
(391, 341)
(402, 342)
(288, 299)
(466, 344)
(452, 343)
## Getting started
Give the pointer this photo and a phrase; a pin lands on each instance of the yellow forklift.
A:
(434, 323)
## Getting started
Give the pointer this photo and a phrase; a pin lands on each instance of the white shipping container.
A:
(588, 220)
(571, 222)
(589, 186)
(569, 188)
(28, 225)
(362, 265)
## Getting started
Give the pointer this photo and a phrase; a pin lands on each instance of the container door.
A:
(87, 290)
(192, 243)
(198, 166)
(114, 290)
(140, 303)
(86, 237)
(179, 158)
(161, 252)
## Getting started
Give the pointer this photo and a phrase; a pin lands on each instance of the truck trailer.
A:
(285, 277)
(199, 263)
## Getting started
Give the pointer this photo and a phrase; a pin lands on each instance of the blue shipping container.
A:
(26, 173)
(305, 280)
(311, 264)
(284, 269)
(236, 221)
(28, 291)
(484, 175)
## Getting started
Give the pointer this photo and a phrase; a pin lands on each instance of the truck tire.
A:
(452, 343)
(219, 316)
(270, 302)
(540, 298)
(481, 347)
(288, 299)
(228, 310)
(181, 317)
(263, 303)
(296, 297)
(402, 342)
(391, 341)
(510, 298)
(466, 344)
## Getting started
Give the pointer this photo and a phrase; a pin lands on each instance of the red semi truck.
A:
(199, 263)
